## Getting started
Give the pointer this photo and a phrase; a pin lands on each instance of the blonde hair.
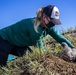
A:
(39, 14)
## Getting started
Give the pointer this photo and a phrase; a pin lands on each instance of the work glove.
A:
(67, 53)
(11, 57)
(74, 53)
(66, 56)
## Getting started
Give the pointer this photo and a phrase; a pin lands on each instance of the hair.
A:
(39, 15)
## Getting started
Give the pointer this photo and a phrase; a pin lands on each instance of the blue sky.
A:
(12, 11)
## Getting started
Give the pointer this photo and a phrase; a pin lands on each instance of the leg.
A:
(20, 51)
(5, 48)
(3, 58)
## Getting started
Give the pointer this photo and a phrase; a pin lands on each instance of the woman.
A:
(16, 38)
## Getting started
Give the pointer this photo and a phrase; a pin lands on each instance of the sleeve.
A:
(59, 37)
(40, 43)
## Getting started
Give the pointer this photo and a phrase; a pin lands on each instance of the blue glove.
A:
(11, 57)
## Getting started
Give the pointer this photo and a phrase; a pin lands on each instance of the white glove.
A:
(74, 52)
(67, 52)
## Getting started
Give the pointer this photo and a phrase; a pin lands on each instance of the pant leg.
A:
(5, 48)
(20, 51)
(3, 58)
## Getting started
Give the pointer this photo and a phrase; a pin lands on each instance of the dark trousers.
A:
(7, 48)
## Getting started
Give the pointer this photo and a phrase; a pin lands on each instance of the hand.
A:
(66, 56)
(74, 52)
(67, 52)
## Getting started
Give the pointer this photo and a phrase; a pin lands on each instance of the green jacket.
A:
(23, 34)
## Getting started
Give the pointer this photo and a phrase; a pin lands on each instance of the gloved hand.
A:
(66, 56)
(67, 53)
(74, 53)
(11, 57)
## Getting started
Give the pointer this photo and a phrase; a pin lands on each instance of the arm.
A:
(58, 37)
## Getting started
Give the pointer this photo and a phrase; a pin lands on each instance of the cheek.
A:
(43, 22)
(46, 21)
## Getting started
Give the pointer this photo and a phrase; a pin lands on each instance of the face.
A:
(46, 22)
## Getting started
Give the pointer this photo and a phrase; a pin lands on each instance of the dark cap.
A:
(53, 13)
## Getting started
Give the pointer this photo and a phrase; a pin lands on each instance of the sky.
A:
(12, 11)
